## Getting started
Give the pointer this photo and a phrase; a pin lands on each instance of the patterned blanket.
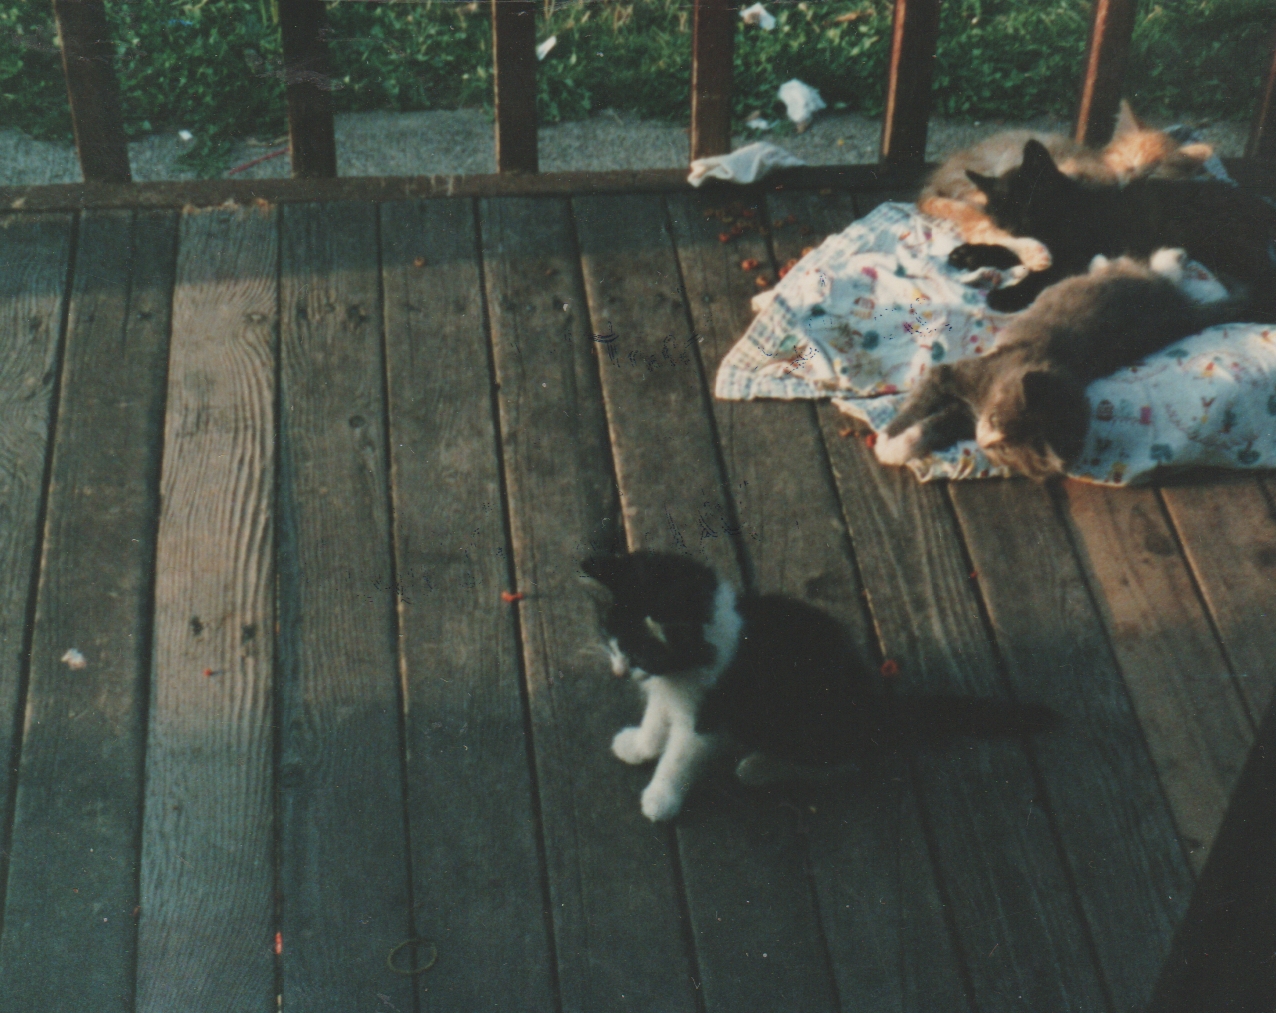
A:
(861, 318)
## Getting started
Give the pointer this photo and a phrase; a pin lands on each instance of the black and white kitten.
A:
(1228, 229)
(1024, 402)
(765, 674)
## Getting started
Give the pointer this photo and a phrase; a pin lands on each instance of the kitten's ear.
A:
(1126, 121)
(1036, 159)
(985, 183)
(1049, 392)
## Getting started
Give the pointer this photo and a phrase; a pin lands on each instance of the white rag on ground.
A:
(861, 318)
(744, 165)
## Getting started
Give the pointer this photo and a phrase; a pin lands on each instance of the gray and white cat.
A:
(1024, 402)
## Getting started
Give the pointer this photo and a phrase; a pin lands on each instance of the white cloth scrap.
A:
(863, 316)
(801, 100)
(744, 165)
(758, 15)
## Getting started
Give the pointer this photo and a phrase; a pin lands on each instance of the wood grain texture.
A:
(514, 84)
(611, 941)
(1022, 938)
(207, 878)
(712, 52)
(1188, 707)
(879, 901)
(88, 54)
(756, 931)
(1111, 27)
(303, 32)
(914, 36)
(34, 252)
(1227, 526)
(345, 893)
(70, 935)
(476, 870)
(1113, 820)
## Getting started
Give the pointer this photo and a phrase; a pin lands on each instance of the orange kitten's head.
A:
(1136, 151)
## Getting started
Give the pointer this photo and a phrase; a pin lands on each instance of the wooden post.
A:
(1262, 137)
(312, 142)
(514, 84)
(87, 56)
(712, 51)
(1110, 31)
(908, 85)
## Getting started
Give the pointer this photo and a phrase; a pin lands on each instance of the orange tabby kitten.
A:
(1134, 152)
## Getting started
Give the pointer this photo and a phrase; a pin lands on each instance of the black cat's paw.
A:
(970, 256)
(1010, 300)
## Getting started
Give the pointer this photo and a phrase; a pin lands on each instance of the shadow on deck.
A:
(267, 472)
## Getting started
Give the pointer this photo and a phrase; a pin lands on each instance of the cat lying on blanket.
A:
(768, 674)
(1228, 229)
(1024, 402)
(1134, 152)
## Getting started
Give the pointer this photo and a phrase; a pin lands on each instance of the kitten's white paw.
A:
(661, 801)
(1169, 263)
(896, 450)
(632, 746)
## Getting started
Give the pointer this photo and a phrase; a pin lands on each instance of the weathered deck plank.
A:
(69, 925)
(1112, 818)
(896, 953)
(477, 875)
(207, 878)
(1020, 933)
(756, 932)
(1188, 708)
(613, 890)
(35, 251)
(345, 894)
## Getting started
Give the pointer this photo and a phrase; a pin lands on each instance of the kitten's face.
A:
(1033, 422)
(659, 605)
(1021, 199)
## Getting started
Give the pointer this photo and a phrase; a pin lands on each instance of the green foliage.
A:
(215, 66)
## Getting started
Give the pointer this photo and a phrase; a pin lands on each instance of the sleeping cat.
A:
(1024, 401)
(1228, 229)
(1134, 152)
(766, 673)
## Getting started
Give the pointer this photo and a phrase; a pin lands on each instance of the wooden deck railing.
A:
(103, 150)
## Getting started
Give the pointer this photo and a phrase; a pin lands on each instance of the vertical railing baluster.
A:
(1111, 26)
(94, 91)
(712, 52)
(312, 141)
(514, 75)
(1262, 136)
(914, 35)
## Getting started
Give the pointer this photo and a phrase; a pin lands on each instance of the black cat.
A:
(1228, 229)
(771, 674)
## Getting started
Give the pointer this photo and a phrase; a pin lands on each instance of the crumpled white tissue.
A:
(543, 49)
(744, 165)
(801, 100)
(758, 15)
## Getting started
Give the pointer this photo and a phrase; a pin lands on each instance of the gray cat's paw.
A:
(631, 746)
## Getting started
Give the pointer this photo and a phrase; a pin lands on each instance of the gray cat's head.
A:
(655, 606)
(1034, 421)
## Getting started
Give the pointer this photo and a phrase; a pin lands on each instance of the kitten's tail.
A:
(924, 719)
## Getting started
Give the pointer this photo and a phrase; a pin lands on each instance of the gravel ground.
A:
(424, 143)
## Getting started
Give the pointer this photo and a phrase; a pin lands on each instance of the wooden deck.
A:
(269, 470)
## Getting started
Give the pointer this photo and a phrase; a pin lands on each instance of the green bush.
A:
(215, 66)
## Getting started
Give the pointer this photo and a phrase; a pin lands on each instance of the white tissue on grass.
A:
(543, 49)
(744, 165)
(185, 136)
(801, 100)
(758, 123)
(73, 659)
(758, 15)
